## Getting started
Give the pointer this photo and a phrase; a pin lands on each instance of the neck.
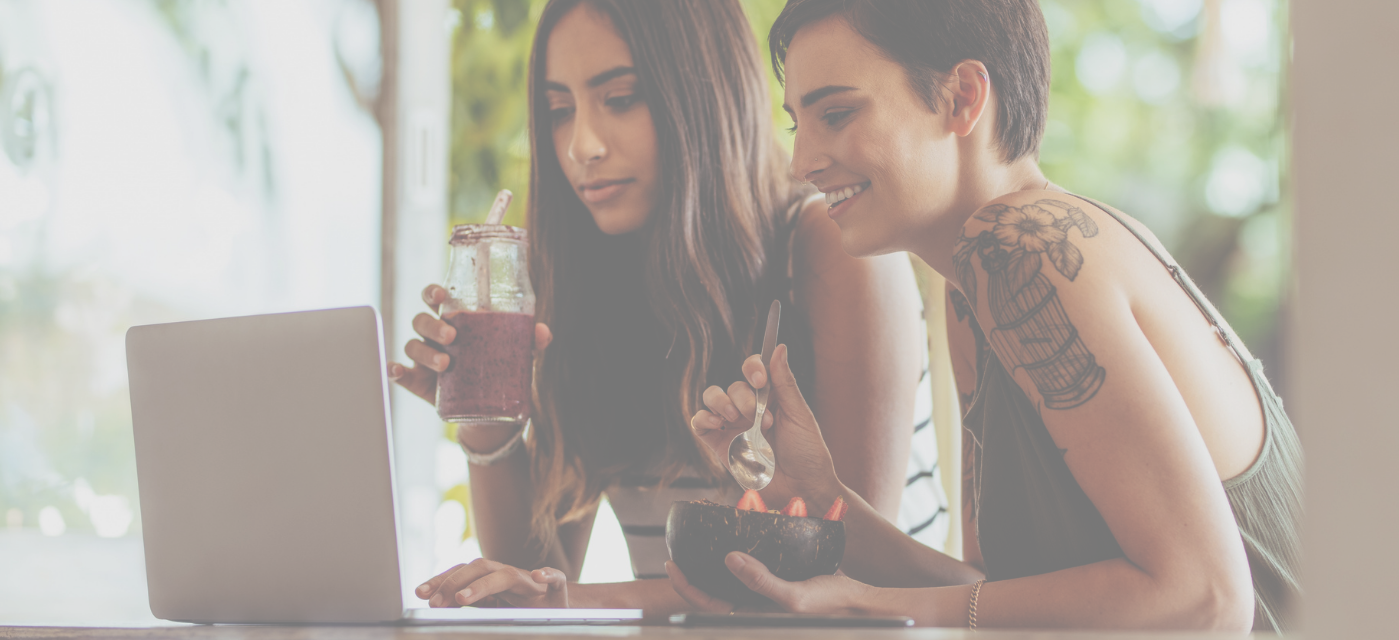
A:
(989, 181)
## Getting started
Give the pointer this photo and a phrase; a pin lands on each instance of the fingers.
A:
(431, 328)
(426, 355)
(700, 600)
(754, 372)
(745, 399)
(434, 296)
(556, 583)
(542, 336)
(721, 404)
(504, 580)
(705, 423)
(426, 589)
(755, 576)
(550, 577)
(457, 578)
(419, 380)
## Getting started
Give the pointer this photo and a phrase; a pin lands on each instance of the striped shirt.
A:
(642, 507)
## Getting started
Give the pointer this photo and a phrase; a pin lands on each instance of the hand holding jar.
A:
(475, 361)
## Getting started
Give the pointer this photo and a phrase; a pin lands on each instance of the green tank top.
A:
(1033, 518)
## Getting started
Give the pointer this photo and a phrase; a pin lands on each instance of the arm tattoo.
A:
(1032, 329)
(959, 305)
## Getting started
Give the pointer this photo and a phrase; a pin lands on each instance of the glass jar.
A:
(491, 305)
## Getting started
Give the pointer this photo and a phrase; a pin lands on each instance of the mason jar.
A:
(491, 305)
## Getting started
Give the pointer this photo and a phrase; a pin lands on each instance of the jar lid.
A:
(463, 233)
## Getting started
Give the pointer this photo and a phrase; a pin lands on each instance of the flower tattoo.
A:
(1029, 227)
(1032, 330)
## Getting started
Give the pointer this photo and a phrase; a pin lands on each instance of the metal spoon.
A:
(750, 456)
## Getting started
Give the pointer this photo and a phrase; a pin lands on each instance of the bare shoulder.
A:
(1069, 238)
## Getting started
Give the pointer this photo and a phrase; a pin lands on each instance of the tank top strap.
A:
(1221, 328)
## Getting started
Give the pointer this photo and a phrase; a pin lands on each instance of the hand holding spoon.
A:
(750, 456)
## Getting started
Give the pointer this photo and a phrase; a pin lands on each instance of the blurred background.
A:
(165, 160)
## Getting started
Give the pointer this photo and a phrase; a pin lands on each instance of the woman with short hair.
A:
(1127, 463)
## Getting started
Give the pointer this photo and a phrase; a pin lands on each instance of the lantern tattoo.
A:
(1032, 330)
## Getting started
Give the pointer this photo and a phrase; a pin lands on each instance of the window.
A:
(161, 162)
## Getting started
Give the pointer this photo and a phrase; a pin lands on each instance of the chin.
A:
(618, 223)
(861, 243)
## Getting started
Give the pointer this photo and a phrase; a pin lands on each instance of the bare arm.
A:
(501, 494)
(1127, 435)
(868, 353)
(1128, 438)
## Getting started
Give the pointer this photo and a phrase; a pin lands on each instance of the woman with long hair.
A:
(663, 222)
(1128, 463)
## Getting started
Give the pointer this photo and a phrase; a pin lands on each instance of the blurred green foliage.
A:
(1170, 110)
(490, 139)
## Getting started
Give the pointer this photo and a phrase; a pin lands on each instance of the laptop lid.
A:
(263, 460)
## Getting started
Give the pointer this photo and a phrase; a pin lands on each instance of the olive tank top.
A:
(1034, 518)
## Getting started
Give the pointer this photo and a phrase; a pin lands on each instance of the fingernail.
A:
(441, 361)
(734, 561)
(463, 595)
(436, 601)
(421, 588)
(445, 337)
(732, 415)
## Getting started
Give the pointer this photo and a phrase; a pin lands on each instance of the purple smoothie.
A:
(489, 376)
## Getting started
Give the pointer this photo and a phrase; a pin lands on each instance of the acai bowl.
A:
(790, 544)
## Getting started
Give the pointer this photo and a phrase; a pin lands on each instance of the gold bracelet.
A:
(971, 608)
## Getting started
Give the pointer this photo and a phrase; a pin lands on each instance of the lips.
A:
(600, 191)
(835, 197)
(838, 200)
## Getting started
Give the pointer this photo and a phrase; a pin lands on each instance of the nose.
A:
(807, 160)
(586, 145)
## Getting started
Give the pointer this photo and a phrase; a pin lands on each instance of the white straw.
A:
(483, 251)
(502, 202)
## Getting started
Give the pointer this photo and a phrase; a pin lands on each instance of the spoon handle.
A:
(769, 344)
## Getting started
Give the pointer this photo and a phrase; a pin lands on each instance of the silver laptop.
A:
(264, 461)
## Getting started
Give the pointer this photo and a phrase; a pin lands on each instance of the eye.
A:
(834, 118)
(621, 103)
(560, 114)
(792, 129)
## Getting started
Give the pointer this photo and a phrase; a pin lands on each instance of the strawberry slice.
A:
(838, 509)
(797, 507)
(751, 501)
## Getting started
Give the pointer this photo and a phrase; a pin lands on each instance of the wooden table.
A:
(221, 632)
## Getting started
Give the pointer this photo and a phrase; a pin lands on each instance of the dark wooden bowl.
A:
(700, 534)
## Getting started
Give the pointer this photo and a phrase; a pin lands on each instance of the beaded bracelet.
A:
(488, 459)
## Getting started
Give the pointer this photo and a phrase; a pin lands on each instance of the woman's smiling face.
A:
(603, 134)
(862, 130)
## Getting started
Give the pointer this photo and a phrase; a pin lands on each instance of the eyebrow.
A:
(815, 96)
(595, 81)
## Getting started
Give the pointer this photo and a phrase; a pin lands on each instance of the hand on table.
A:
(427, 355)
(804, 466)
(486, 583)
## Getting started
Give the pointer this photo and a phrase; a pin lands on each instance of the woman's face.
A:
(603, 135)
(860, 127)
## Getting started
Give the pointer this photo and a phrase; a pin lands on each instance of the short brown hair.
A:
(929, 37)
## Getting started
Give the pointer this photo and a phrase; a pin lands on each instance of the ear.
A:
(969, 87)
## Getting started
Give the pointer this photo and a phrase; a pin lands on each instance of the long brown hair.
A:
(644, 322)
